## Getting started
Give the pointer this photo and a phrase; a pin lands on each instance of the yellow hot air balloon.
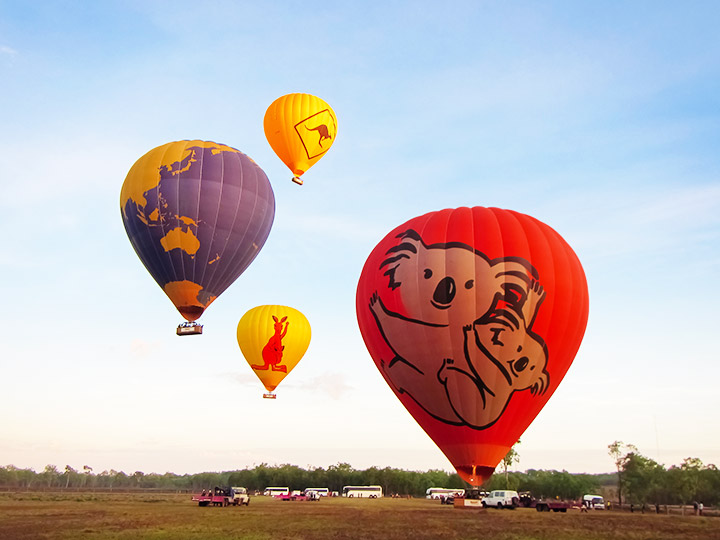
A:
(273, 339)
(300, 129)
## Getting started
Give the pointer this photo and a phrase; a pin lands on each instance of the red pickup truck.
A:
(235, 496)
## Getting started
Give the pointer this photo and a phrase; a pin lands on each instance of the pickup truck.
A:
(240, 496)
(235, 496)
(309, 496)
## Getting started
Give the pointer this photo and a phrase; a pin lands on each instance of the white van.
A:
(594, 502)
(501, 498)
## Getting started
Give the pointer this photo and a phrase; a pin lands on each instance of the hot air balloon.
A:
(197, 214)
(273, 339)
(300, 129)
(473, 316)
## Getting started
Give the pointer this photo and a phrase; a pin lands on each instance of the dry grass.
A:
(174, 517)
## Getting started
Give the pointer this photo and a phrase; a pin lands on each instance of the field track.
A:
(94, 516)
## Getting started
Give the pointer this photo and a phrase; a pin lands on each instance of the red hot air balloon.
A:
(473, 316)
(197, 214)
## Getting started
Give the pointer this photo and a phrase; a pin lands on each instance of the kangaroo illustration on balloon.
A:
(464, 344)
(323, 132)
(272, 352)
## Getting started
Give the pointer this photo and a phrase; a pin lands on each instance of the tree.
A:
(87, 474)
(69, 474)
(138, 477)
(692, 468)
(616, 450)
(642, 478)
(26, 477)
(685, 479)
(511, 457)
(340, 475)
(8, 475)
(50, 474)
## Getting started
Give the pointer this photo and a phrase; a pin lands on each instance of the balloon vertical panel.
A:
(273, 339)
(197, 213)
(473, 316)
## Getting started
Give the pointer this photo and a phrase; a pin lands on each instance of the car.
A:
(500, 498)
(239, 496)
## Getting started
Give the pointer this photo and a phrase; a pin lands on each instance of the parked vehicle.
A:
(443, 493)
(471, 498)
(309, 495)
(526, 499)
(219, 496)
(501, 499)
(240, 496)
(322, 492)
(546, 505)
(369, 492)
(594, 502)
(275, 491)
(556, 505)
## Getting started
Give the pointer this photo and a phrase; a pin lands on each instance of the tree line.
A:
(257, 478)
(642, 480)
(334, 477)
(638, 480)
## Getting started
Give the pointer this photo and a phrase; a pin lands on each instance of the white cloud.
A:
(7, 51)
(332, 384)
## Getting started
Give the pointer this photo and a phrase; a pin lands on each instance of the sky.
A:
(600, 119)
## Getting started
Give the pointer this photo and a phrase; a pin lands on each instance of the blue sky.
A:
(601, 120)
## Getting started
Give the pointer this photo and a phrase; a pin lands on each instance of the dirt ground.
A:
(25, 516)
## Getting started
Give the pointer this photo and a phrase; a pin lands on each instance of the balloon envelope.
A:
(273, 339)
(473, 316)
(300, 128)
(197, 214)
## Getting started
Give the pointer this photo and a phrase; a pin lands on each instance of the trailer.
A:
(546, 505)
(471, 498)
(556, 505)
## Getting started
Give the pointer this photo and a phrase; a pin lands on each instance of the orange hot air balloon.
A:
(473, 316)
(300, 129)
(273, 339)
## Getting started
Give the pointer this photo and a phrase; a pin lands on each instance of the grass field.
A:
(90, 516)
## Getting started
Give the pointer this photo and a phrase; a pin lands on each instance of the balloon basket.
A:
(297, 180)
(269, 395)
(189, 328)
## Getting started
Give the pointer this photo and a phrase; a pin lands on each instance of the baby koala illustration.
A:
(464, 342)
(501, 356)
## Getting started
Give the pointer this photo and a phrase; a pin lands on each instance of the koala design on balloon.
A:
(465, 343)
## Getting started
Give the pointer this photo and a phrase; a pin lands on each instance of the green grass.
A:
(95, 516)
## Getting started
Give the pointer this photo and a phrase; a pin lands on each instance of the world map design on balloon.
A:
(197, 214)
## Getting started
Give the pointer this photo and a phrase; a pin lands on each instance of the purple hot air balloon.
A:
(197, 214)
